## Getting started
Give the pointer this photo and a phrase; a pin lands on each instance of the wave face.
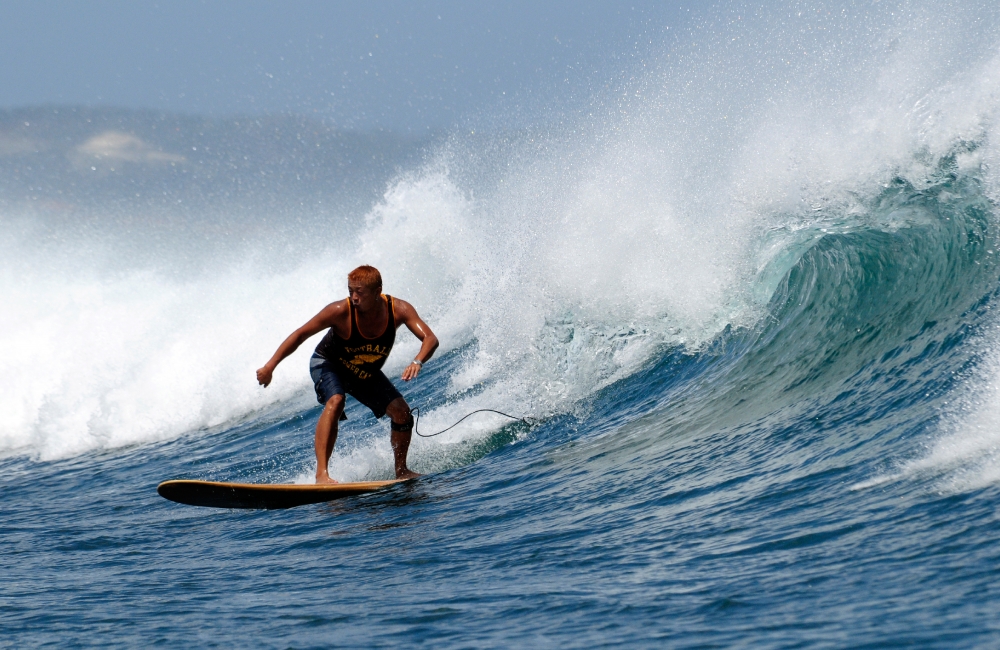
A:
(747, 297)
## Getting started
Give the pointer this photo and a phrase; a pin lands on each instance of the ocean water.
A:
(746, 295)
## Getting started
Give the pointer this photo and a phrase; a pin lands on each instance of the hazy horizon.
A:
(399, 66)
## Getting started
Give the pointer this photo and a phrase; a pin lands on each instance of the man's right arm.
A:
(321, 321)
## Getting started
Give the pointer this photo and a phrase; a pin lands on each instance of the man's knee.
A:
(399, 412)
(335, 403)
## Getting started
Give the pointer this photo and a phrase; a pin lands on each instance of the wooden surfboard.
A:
(261, 496)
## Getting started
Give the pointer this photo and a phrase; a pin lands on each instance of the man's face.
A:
(362, 297)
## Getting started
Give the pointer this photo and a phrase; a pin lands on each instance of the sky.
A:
(405, 66)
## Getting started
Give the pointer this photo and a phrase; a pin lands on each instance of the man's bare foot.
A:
(406, 474)
(324, 479)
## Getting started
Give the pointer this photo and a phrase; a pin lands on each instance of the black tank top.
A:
(358, 355)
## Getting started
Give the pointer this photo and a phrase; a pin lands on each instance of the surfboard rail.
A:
(261, 496)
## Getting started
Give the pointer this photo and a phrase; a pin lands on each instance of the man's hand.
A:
(264, 375)
(411, 371)
(405, 313)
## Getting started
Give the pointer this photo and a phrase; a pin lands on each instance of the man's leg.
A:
(326, 436)
(402, 429)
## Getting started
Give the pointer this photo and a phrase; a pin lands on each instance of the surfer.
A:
(349, 359)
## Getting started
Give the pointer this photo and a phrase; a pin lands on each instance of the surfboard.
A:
(261, 496)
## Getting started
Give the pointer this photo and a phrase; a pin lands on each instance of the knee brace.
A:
(403, 426)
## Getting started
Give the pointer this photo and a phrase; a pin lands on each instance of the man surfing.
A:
(349, 360)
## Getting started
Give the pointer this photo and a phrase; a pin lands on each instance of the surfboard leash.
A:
(416, 418)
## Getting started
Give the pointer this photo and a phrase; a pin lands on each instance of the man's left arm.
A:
(406, 314)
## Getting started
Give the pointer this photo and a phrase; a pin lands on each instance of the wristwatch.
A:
(418, 362)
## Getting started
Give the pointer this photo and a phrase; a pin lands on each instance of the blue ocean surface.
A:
(747, 301)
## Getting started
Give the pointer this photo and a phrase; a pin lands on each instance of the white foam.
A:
(965, 455)
(100, 357)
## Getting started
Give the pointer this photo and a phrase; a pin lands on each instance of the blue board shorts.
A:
(376, 392)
